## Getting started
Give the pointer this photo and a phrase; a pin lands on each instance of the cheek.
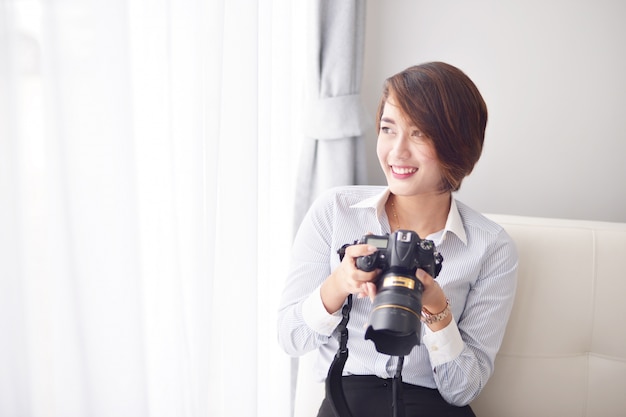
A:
(381, 151)
(433, 164)
(430, 158)
(429, 154)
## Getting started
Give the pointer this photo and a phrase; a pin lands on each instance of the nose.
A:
(401, 146)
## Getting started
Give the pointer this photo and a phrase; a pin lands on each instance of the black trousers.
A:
(368, 395)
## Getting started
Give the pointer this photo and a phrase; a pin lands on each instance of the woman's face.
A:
(406, 156)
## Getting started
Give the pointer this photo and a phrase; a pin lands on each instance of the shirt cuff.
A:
(444, 345)
(316, 316)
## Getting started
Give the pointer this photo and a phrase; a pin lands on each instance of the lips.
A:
(403, 171)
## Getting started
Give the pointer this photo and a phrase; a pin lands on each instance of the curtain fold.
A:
(145, 206)
(335, 119)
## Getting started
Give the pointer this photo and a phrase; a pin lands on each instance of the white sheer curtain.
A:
(146, 160)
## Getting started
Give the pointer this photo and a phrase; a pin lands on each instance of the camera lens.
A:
(395, 319)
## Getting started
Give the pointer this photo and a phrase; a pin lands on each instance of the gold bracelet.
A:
(430, 318)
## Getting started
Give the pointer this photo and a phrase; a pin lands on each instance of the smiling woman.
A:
(464, 311)
(142, 173)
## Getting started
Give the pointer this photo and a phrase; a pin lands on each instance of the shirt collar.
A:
(376, 202)
(454, 222)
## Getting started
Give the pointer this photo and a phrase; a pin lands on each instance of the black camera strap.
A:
(334, 381)
(397, 405)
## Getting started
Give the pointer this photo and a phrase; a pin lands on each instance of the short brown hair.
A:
(448, 108)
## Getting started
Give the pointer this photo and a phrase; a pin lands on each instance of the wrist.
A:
(429, 317)
(332, 294)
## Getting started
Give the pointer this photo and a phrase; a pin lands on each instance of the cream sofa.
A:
(564, 353)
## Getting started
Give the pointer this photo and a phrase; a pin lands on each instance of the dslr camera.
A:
(395, 321)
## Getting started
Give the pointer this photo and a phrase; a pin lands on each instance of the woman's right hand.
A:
(348, 279)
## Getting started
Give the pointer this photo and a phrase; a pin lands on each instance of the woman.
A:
(431, 123)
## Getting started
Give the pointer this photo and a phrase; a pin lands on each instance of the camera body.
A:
(395, 321)
(401, 250)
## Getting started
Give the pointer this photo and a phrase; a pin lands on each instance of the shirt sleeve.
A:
(316, 317)
(444, 345)
(481, 323)
(303, 323)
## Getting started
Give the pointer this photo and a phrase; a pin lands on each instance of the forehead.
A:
(392, 113)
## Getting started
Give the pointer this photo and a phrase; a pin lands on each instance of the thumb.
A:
(423, 276)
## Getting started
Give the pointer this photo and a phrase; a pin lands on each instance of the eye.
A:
(386, 130)
(417, 133)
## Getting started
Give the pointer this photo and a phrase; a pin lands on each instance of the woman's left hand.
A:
(433, 298)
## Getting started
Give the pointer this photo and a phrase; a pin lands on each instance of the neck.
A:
(422, 214)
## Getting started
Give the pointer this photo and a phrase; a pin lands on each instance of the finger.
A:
(356, 251)
(424, 277)
(370, 288)
(367, 289)
(433, 293)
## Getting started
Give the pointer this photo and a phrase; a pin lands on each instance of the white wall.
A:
(553, 75)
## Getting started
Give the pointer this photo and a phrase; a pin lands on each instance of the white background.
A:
(553, 76)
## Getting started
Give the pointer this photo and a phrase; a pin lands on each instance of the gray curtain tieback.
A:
(336, 118)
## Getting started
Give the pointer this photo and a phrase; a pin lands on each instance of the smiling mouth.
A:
(403, 170)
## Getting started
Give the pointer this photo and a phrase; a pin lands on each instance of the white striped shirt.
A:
(478, 277)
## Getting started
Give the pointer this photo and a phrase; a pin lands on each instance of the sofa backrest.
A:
(564, 352)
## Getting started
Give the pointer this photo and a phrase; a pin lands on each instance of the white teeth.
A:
(403, 171)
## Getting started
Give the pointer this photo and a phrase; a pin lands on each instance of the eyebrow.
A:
(388, 120)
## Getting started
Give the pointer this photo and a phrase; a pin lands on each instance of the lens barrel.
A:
(395, 325)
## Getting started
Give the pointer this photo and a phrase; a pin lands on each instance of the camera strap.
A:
(334, 381)
(397, 406)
